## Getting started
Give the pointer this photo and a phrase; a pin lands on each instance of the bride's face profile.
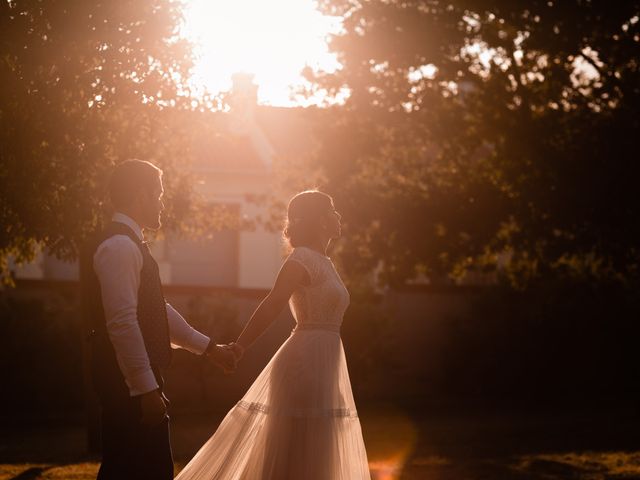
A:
(334, 228)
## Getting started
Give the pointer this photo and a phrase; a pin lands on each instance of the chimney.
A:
(242, 100)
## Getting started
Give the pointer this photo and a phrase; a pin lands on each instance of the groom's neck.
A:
(133, 216)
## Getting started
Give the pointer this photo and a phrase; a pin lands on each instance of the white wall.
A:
(32, 270)
(260, 252)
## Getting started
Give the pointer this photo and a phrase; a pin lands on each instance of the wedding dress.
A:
(298, 420)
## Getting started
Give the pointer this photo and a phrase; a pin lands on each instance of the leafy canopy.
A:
(480, 134)
(86, 84)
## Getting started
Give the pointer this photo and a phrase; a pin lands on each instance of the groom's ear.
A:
(144, 193)
(138, 198)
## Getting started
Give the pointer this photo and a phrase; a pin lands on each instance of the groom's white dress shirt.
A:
(117, 263)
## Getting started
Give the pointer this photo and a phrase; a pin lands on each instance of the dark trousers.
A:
(130, 450)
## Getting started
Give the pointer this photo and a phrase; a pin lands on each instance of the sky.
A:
(273, 40)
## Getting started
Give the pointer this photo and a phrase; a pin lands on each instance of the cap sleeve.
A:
(302, 257)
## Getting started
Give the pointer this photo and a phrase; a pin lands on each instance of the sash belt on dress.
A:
(317, 326)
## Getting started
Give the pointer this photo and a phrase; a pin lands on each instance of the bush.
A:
(554, 342)
(41, 354)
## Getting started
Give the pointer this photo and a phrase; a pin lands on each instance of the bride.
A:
(298, 420)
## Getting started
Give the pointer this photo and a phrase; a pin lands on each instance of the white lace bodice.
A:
(325, 299)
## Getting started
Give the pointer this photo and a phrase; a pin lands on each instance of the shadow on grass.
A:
(31, 473)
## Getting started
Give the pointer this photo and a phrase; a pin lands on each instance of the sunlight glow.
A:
(391, 439)
(273, 40)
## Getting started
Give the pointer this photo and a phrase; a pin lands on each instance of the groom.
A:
(133, 329)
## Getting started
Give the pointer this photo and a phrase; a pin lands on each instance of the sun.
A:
(272, 39)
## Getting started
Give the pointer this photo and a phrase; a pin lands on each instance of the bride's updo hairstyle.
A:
(303, 217)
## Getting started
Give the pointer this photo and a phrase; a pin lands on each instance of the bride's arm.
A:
(292, 275)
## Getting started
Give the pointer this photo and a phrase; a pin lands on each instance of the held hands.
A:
(223, 356)
(237, 349)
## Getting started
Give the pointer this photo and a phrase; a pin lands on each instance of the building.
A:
(233, 168)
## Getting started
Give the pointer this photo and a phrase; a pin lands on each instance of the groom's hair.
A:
(129, 177)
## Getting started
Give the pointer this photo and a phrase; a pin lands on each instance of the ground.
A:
(401, 446)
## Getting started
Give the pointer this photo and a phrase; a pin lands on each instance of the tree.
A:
(87, 84)
(481, 132)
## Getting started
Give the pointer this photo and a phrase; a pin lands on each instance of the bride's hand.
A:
(237, 349)
(222, 356)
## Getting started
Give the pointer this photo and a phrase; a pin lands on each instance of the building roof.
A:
(248, 142)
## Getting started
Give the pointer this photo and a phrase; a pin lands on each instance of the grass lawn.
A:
(401, 446)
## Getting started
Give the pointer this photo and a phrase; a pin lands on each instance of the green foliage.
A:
(555, 341)
(85, 85)
(480, 133)
(217, 316)
(46, 345)
(368, 332)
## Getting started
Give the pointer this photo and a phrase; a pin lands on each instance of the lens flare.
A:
(273, 40)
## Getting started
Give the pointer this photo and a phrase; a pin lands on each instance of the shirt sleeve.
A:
(117, 263)
(184, 335)
(299, 256)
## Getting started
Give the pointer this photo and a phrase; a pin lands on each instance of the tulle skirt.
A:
(297, 421)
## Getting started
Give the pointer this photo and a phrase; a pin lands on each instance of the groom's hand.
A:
(223, 357)
(154, 410)
(237, 349)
